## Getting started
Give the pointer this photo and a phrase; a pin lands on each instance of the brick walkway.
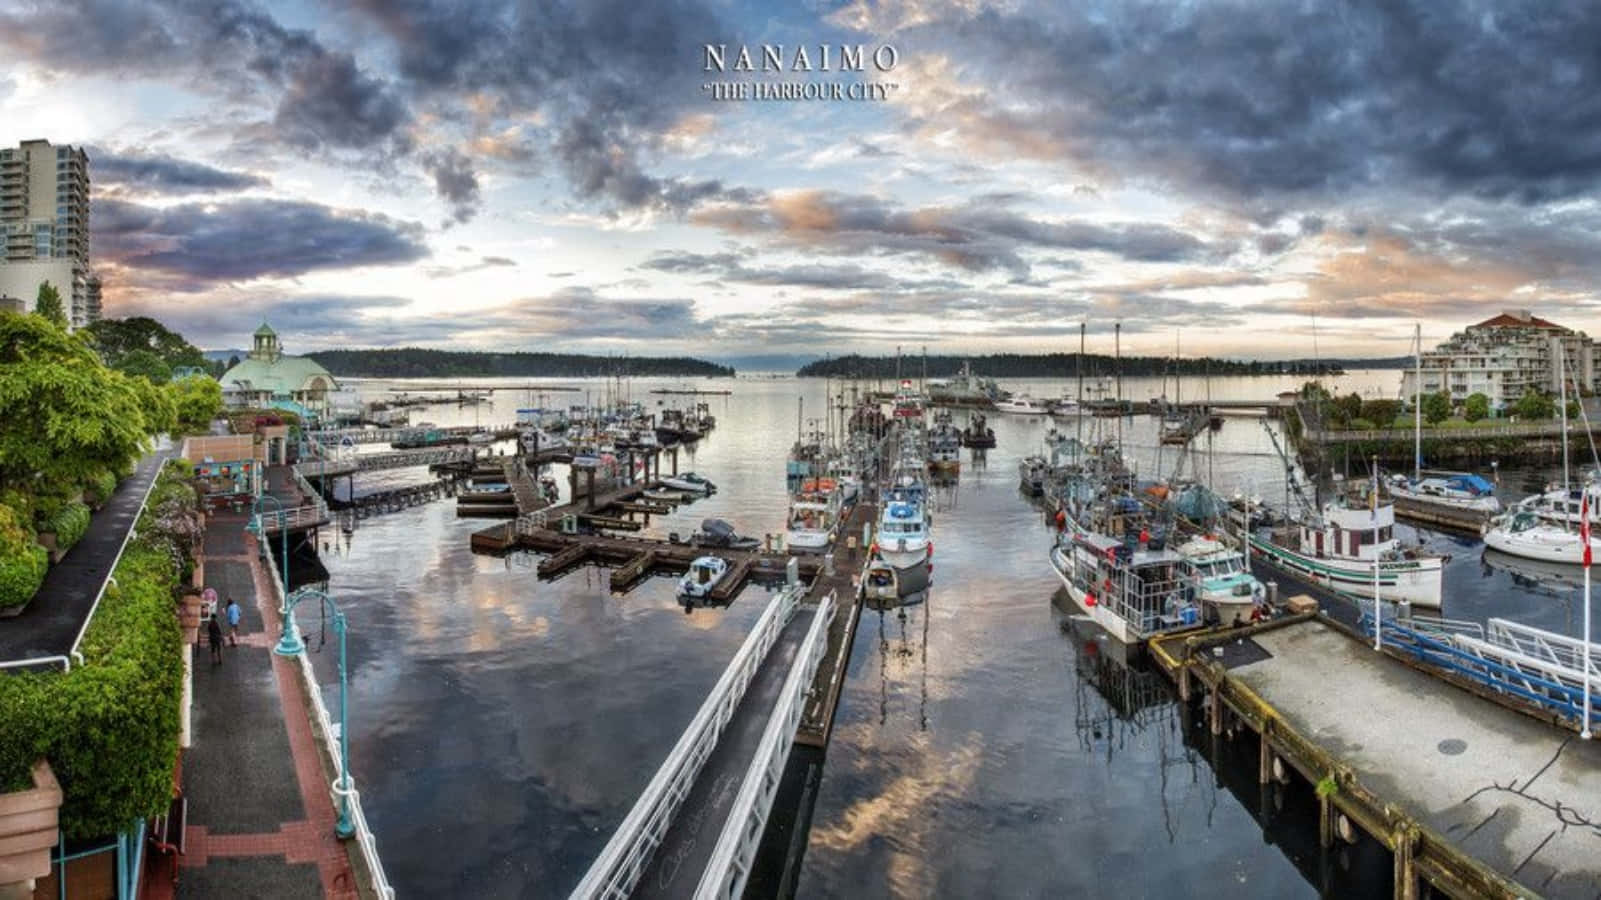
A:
(261, 823)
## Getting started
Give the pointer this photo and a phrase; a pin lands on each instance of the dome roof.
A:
(286, 375)
(265, 331)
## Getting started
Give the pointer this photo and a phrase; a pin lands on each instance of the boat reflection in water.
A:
(896, 651)
(1550, 578)
(1122, 701)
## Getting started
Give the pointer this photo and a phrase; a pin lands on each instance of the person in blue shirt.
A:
(233, 622)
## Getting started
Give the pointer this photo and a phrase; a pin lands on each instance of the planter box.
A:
(189, 617)
(28, 822)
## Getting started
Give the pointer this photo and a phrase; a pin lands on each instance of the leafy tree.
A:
(1534, 405)
(67, 417)
(1573, 410)
(1476, 407)
(1436, 407)
(1381, 412)
(198, 400)
(1348, 407)
(146, 364)
(159, 406)
(115, 339)
(48, 306)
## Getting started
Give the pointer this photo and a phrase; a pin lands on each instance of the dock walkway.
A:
(1471, 796)
(817, 722)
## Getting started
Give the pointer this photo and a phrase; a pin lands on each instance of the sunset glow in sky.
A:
(553, 176)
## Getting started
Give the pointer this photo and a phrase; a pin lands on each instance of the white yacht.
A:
(1562, 505)
(1021, 404)
(1529, 535)
(689, 483)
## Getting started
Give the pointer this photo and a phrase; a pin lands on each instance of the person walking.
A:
(214, 636)
(233, 622)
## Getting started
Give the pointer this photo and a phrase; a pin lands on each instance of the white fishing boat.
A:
(1337, 550)
(538, 440)
(813, 515)
(689, 483)
(703, 575)
(1453, 490)
(1131, 592)
(1228, 592)
(903, 527)
(1021, 404)
(944, 446)
(1032, 473)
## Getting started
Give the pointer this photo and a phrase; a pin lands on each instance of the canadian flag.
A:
(1584, 526)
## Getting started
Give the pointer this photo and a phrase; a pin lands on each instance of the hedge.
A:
(70, 524)
(109, 727)
(101, 486)
(22, 562)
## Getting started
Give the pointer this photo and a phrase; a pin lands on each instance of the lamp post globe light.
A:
(342, 788)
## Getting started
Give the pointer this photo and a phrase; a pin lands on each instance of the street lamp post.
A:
(344, 827)
(289, 641)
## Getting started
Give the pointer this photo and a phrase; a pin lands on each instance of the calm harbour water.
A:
(502, 726)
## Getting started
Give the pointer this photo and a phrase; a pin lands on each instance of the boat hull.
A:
(1485, 505)
(904, 555)
(1416, 581)
(1110, 622)
(1545, 545)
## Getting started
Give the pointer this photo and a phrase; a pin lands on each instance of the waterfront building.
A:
(1504, 356)
(44, 220)
(268, 378)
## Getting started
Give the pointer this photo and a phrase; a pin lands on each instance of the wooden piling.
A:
(624, 577)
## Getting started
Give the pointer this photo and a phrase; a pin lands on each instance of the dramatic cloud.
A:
(455, 181)
(974, 238)
(247, 239)
(158, 173)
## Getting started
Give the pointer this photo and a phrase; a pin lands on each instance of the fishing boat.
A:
(1021, 404)
(703, 575)
(903, 526)
(1229, 593)
(944, 446)
(1451, 490)
(908, 405)
(880, 581)
(534, 439)
(813, 515)
(1337, 550)
(689, 483)
(1032, 474)
(1133, 591)
(963, 389)
(978, 435)
(1065, 408)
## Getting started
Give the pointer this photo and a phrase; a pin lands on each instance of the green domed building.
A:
(268, 378)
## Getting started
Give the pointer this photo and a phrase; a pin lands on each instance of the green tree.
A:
(1476, 407)
(1348, 408)
(67, 417)
(146, 364)
(1436, 407)
(115, 339)
(48, 306)
(1534, 405)
(159, 406)
(198, 400)
(1381, 412)
(1573, 410)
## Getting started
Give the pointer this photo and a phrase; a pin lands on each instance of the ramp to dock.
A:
(1517, 794)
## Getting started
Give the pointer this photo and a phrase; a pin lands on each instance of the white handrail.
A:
(66, 664)
(365, 839)
(615, 872)
(731, 859)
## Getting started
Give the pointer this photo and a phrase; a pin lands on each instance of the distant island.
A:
(1066, 365)
(418, 362)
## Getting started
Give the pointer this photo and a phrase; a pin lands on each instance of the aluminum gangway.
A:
(724, 769)
(1538, 666)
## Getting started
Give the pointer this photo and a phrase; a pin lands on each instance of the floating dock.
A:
(1462, 520)
(850, 557)
(1472, 795)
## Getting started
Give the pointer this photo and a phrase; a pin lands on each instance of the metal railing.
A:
(735, 851)
(1533, 429)
(390, 434)
(619, 866)
(365, 840)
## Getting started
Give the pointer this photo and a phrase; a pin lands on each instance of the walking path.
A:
(50, 624)
(261, 823)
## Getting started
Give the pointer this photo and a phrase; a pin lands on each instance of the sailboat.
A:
(1462, 491)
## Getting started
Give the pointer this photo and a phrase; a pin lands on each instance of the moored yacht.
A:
(1021, 404)
(1532, 536)
(1452, 490)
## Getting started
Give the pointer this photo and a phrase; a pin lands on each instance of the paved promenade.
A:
(261, 823)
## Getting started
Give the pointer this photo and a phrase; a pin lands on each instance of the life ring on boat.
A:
(1089, 598)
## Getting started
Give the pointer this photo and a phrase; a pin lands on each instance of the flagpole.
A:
(1373, 505)
(1584, 730)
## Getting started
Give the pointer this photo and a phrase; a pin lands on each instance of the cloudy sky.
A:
(1262, 179)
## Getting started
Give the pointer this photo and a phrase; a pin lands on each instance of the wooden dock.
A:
(1471, 794)
(817, 722)
(1462, 520)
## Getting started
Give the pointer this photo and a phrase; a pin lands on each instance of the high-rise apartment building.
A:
(1505, 355)
(44, 218)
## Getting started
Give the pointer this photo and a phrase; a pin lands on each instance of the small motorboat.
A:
(880, 581)
(703, 575)
(689, 483)
(665, 496)
(718, 533)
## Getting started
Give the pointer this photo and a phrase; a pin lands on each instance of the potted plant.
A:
(28, 821)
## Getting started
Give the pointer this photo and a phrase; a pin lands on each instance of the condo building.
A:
(44, 220)
(1504, 356)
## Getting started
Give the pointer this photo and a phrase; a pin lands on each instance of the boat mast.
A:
(1117, 366)
(1417, 406)
(1080, 416)
(1562, 376)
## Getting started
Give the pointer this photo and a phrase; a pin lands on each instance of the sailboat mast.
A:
(1080, 416)
(1117, 365)
(1562, 375)
(1417, 406)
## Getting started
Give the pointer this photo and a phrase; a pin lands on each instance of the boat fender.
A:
(930, 549)
(1089, 598)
